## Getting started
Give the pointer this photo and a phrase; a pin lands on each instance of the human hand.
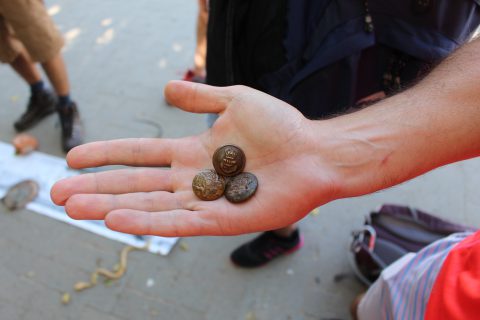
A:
(278, 143)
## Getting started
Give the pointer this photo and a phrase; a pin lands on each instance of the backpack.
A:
(311, 53)
(391, 232)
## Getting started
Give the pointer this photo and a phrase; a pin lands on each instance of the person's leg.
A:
(72, 129)
(42, 102)
(201, 48)
(26, 68)
(286, 231)
(197, 74)
(57, 75)
(38, 34)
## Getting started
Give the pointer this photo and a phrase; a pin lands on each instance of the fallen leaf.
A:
(108, 282)
(65, 298)
(184, 246)
(250, 316)
(116, 267)
(79, 286)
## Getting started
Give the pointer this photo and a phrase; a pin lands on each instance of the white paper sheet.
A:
(46, 170)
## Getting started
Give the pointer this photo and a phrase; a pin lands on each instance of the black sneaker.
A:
(72, 128)
(41, 105)
(265, 248)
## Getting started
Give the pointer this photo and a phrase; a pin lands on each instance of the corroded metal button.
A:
(241, 188)
(208, 185)
(229, 160)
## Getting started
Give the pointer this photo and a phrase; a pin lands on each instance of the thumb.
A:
(197, 97)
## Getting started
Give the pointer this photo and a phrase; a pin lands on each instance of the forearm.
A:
(435, 123)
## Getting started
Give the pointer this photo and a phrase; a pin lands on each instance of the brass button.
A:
(241, 187)
(208, 185)
(229, 160)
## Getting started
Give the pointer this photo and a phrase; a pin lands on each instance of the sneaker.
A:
(192, 77)
(72, 129)
(40, 105)
(265, 248)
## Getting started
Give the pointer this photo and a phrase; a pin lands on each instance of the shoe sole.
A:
(289, 251)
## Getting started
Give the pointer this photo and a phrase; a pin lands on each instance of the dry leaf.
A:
(79, 286)
(250, 316)
(65, 298)
(184, 246)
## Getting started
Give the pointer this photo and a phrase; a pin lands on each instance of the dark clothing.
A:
(245, 41)
(317, 54)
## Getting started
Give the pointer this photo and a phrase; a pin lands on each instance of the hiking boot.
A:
(72, 129)
(265, 248)
(40, 105)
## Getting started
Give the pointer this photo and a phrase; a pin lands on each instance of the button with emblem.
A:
(229, 160)
(241, 187)
(208, 185)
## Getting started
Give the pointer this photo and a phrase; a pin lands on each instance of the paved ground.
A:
(120, 54)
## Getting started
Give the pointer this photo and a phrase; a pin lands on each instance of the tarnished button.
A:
(208, 185)
(229, 160)
(241, 188)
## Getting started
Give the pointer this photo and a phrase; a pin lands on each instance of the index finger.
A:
(133, 152)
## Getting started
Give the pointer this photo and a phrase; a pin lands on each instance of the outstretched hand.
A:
(278, 143)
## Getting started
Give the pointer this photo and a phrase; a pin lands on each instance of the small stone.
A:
(208, 185)
(19, 195)
(241, 187)
(24, 143)
(150, 283)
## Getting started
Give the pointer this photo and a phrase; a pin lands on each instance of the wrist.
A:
(356, 154)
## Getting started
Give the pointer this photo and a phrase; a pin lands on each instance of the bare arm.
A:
(433, 124)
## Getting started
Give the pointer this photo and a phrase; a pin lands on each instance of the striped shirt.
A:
(403, 289)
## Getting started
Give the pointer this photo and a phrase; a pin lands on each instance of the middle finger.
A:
(114, 182)
(96, 206)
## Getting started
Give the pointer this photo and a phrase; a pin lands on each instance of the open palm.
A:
(278, 145)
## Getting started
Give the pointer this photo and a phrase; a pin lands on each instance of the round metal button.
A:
(229, 160)
(208, 185)
(241, 187)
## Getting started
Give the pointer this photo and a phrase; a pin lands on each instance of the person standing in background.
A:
(28, 35)
(197, 74)
(327, 58)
